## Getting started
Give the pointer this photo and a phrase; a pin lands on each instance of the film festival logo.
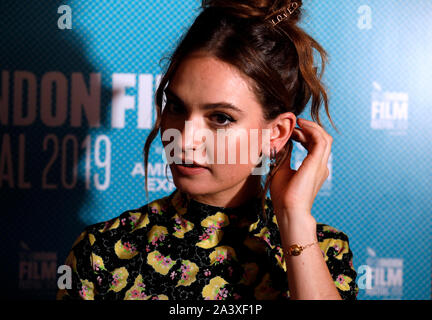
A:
(389, 111)
(381, 277)
(37, 270)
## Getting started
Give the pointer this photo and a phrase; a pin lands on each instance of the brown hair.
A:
(278, 59)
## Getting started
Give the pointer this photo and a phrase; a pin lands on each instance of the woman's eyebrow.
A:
(208, 106)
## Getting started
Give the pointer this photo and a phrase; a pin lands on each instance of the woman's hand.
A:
(295, 191)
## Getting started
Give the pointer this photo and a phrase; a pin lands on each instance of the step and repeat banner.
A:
(76, 105)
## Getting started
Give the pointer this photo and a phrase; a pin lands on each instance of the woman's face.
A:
(199, 92)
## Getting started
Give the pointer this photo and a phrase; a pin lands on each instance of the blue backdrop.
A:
(76, 104)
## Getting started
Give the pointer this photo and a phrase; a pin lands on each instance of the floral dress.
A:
(181, 249)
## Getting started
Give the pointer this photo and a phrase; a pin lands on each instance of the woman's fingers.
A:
(315, 139)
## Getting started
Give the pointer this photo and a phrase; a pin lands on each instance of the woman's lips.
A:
(189, 170)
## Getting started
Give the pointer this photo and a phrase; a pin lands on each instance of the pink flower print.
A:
(220, 258)
(123, 221)
(158, 257)
(172, 275)
(99, 280)
(340, 279)
(129, 247)
(207, 272)
(135, 293)
(336, 247)
(204, 236)
(222, 294)
(166, 261)
(154, 210)
(83, 292)
(321, 234)
(115, 280)
(147, 248)
(133, 220)
(331, 229)
(266, 238)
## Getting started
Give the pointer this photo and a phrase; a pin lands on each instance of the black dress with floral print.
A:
(177, 248)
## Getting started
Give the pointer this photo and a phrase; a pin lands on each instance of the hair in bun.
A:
(263, 9)
(262, 39)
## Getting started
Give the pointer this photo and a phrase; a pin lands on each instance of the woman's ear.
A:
(281, 129)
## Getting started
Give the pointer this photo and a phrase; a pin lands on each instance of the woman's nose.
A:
(191, 137)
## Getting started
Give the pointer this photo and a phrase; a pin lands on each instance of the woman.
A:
(242, 65)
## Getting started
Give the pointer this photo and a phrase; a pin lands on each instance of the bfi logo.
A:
(381, 277)
(389, 110)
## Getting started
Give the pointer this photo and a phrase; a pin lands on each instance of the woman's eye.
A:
(222, 119)
(173, 108)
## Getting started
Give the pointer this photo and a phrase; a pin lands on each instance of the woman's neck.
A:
(234, 196)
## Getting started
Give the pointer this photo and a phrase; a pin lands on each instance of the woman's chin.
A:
(189, 184)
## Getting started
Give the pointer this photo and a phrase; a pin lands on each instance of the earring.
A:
(272, 157)
(166, 176)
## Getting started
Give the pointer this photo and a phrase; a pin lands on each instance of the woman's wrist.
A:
(296, 227)
(301, 217)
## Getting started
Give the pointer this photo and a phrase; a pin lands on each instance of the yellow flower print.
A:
(156, 233)
(275, 220)
(330, 229)
(97, 262)
(342, 282)
(221, 254)
(110, 225)
(264, 234)
(92, 238)
(215, 289)
(340, 246)
(213, 234)
(160, 263)
(188, 273)
(119, 281)
(264, 290)
(137, 291)
(125, 250)
(254, 225)
(138, 220)
(280, 258)
(155, 207)
(86, 291)
(181, 226)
